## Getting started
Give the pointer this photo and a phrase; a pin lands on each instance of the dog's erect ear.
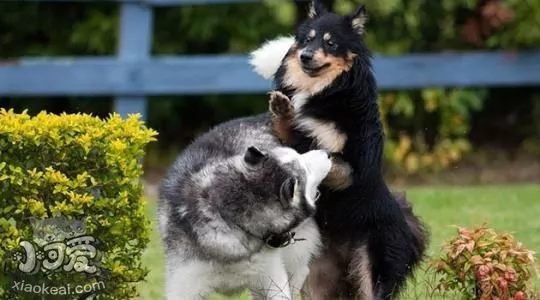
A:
(254, 155)
(358, 19)
(316, 9)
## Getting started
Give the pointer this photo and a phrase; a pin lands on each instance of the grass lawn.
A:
(513, 208)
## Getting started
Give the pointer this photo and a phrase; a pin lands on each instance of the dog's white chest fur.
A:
(269, 274)
(325, 133)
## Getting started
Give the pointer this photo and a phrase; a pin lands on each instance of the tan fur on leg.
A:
(360, 273)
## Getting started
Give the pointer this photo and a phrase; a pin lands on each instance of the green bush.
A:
(64, 177)
(427, 130)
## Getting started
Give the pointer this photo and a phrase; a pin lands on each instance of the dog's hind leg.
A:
(323, 281)
(360, 274)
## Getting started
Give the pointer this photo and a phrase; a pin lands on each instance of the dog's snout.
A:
(306, 56)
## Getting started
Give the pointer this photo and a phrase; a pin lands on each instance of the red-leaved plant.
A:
(482, 264)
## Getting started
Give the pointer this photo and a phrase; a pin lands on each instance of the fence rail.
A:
(133, 74)
(159, 2)
(194, 75)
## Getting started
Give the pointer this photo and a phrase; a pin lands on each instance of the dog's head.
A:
(325, 42)
(285, 177)
(326, 46)
(271, 191)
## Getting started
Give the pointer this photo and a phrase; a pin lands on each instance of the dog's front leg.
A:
(187, 281)
(282, 112)
(297, 280)
(272, 282)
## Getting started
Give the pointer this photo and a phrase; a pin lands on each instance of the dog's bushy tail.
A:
(267, 58)
(419, 231)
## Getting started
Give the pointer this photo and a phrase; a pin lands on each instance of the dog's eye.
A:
(331, 44)
(254, 156)
(287, 188)
(287, 192)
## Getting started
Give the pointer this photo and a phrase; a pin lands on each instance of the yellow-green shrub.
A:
(408, 117)
(79, 167)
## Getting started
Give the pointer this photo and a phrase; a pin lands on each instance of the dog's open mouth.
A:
(313, 71)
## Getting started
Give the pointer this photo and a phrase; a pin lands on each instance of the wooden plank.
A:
(192, 75)
(64, 76)
(159, 2)
(195, 2)
(465, 69)
(106, 76)
(134, 45)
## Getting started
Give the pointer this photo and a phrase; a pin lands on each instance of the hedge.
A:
(71, 178)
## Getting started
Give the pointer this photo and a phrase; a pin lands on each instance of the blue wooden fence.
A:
(134, 74)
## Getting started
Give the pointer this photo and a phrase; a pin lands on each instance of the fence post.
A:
(135, 42)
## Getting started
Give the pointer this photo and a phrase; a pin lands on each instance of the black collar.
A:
(276, 240)
(281, 240)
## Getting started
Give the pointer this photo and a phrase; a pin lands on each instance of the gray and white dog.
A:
(232, 210)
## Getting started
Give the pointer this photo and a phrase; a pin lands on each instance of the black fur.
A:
(366, 213)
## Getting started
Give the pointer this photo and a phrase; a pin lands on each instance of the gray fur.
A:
(217, 208)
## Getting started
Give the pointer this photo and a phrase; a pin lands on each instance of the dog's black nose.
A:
(306, 56)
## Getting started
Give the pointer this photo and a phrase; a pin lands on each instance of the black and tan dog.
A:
(326, 97)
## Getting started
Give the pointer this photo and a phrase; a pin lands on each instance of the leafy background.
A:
(428, 130)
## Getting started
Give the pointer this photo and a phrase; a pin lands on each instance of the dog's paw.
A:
(281, 105)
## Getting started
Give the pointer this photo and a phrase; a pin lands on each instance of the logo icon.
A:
(58, 244)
